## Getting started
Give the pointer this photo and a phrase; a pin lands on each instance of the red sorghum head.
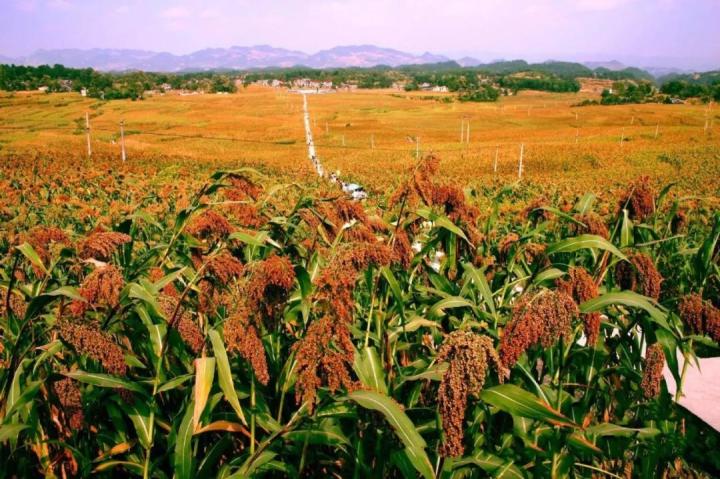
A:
(468, 356)
(652, 374)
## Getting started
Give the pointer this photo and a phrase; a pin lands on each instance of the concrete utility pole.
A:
(657, 130)
(87, 134)
(520, 164)
(622, 137)
(467, 136)
(497, 152)
(122, 140)
(462, 131)
(343, 141)
(417, 147)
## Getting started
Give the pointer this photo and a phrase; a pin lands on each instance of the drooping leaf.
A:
(492, 464)
(104, 380)
(608, 429)
(225, 375)
(370, 370)
(11, 431)
(629, 299)
(143, 418)
(517, 401)
(204, 376)
(183, 459)
(400, 422)
(570, 245)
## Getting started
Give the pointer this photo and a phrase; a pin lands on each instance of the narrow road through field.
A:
(309, 139)
(353, 189)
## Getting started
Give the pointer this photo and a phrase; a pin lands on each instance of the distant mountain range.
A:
(234, 58)
(255, 57)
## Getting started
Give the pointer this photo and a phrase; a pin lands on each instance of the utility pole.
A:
(417, 147)
(577, 135)
(462, 131)
(657, 130)
(520, 164)
(343, 141)
(122, 140)
(622, 137)
(372, 141)
(497, 152)
(467, 137)
(87, 133)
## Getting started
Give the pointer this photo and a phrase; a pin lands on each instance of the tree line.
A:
(109, 86)
(480, 83)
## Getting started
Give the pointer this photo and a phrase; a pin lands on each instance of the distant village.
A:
(328, 86)
(299, 84)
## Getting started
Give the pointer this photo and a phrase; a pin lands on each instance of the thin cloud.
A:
(601, 4)
(59, 4)
(176, 12)
(26, 5)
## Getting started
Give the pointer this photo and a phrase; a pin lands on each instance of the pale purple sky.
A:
(685, 33)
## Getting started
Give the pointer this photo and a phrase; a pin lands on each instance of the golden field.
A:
(573, 148)
(459, 323)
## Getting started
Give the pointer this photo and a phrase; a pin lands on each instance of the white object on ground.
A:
(701, 388)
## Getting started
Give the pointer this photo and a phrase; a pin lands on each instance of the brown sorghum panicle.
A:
(209, 225)
(242, 188)
(700, 316)
(652, 375)
(507, 243)
(183, 322)
(542, 318)
(269, 283)
(640, 275)
(336, 282)
(692, 312)
(246, 215)
(581, 286)
(468, 355)
(17, 305)
(402, 249)
(324, 355)
(191, 334)
(242, 337)
(593, 224)
(101, 288)
(223, 268)
(102, 244)
(70, 398)
(89, 340)
(535, 211)
(41, 237)
(419, 186)
(639, 199)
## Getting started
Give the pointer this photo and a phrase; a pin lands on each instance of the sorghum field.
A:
(211, 308)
